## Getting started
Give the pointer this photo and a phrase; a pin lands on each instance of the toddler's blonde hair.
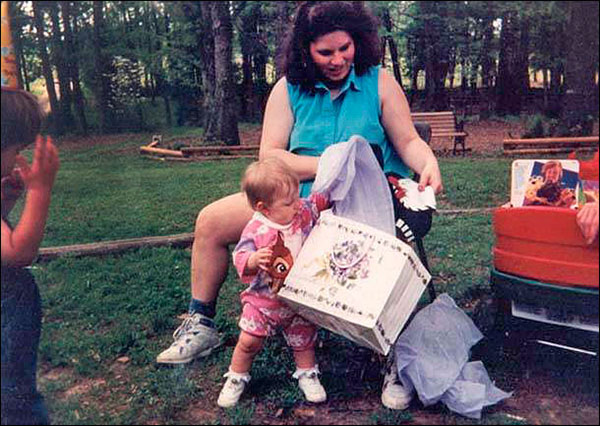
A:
(268, 179)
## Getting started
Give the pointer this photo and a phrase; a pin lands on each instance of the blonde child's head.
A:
(268, 180)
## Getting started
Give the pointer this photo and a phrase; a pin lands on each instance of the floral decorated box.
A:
(356, 281)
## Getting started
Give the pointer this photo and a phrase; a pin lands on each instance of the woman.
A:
(332, 89)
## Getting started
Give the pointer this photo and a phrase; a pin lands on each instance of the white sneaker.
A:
(308, 381)
(232, 389)
(193, 339)
(393, 395)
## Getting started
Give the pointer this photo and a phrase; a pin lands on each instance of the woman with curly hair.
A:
(332, 88)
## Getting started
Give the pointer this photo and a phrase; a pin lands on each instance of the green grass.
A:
(474, 182)
(98, 309)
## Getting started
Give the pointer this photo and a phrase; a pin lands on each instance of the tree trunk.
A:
(508, 87)
(414, 84)
(487, 65)
(206, 47)
(463, 75)
(545, 84)
(58, 55)
(73, 66)
(387, 22)
(260, 59)
(16, 30)
(435, 77)
(102, 68)
(225, 124)
(580, 101)
(47, 68)
(161, 86)
(247, 43)
(436, 62)
(523, 64)
(451, 72)
(23, 67)
(283, 22)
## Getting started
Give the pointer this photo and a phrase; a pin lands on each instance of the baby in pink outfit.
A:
(264, 255)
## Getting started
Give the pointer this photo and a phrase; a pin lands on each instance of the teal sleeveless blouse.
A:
(320, 121)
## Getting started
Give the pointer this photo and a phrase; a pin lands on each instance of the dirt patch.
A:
(84, 387)
(485, 137)
(549, 387)
(59, 373)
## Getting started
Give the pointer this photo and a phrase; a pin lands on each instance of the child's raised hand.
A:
(261, 259)
(40, 175)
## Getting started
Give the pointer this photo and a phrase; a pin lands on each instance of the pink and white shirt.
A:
(261, 232)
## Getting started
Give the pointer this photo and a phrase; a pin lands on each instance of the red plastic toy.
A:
(545, 244)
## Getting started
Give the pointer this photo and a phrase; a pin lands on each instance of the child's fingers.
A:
(39, 151)
(23, 168)
(15, 178)
(52, 153)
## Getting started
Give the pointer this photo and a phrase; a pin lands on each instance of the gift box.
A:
(356, 281)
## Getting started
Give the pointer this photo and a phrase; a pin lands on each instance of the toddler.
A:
(21, 305)
(264, 255)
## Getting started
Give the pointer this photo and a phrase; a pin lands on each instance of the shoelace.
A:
(234, 383)
(185, 326)
(311, 380)
(392, 379)
(312, 376)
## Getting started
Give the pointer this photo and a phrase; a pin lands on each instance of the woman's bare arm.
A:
(276, 131)
(395, 117)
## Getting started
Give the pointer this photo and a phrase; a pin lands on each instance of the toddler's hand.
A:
(40, 175)
(260, 259)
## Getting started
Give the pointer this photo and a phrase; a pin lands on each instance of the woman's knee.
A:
(205, 222)
(223, 220)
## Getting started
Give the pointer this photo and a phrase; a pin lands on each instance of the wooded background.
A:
(212, 64)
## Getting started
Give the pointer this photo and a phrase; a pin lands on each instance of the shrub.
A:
(540, 126)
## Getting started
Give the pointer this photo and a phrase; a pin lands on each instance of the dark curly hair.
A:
(316, 18)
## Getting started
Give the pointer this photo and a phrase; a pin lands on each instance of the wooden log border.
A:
(177, 240)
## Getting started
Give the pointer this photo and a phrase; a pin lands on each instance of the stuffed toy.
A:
(281, 263)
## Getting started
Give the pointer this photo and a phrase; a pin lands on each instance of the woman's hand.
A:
(40, 175)
(431, 176)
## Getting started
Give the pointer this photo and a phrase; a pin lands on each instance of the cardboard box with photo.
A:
(545, 183)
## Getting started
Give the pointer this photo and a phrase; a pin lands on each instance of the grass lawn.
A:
(98, 310)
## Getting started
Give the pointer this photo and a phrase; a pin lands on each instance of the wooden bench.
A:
(549, 145)
(444, 126)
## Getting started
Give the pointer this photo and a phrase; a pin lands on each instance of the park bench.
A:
(444, 126)
(549, 145)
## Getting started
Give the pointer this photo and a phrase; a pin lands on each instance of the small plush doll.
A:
(281, 263)
(412, 208)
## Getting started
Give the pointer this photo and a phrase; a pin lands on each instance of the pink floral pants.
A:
(264, 315)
